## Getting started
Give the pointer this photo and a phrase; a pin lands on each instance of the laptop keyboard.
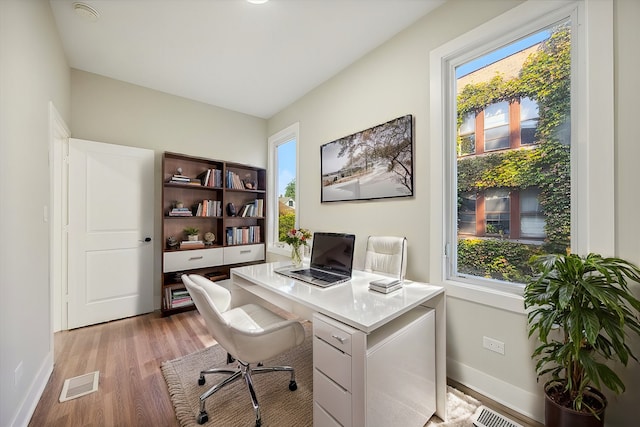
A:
(315, 274)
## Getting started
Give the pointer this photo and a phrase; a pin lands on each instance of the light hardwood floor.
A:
(132, 391)
(128, 353)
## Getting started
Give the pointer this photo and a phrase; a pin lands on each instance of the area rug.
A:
(279, 406)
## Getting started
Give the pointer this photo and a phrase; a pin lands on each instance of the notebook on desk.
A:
(331, 260)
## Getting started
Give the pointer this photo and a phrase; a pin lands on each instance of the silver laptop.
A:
(331, 260)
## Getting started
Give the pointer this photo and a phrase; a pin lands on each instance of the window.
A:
(528, 120)
(282, 212)
(467, 214)
(497, 212)
(496, 126)
(467, 133)
(534, 117)
(532, 221)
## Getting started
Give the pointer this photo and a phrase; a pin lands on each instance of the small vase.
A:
(296, 255)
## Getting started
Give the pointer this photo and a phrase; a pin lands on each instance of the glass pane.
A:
(467, 214)
(538, 68)
(496, 138)
(468, 144)
(496, 115)
(528, 131)
(528, 109)
(286, 187)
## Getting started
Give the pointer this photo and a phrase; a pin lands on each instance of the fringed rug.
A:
(231, 406)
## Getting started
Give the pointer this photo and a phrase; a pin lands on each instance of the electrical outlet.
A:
(493, 345)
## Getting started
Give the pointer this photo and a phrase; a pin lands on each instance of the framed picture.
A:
(376, 163)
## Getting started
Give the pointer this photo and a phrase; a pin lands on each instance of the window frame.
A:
(284, 136)
(591, 96)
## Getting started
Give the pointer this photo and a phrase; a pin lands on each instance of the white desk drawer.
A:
(187, 260)
(322, 419)
(244, 253)
(335, 334)
(334, 399)
(332, 362)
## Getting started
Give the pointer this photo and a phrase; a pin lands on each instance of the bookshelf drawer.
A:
(244, 253)
(188, 260)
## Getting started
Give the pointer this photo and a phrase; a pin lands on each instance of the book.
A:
(385, 289)
(385, 283)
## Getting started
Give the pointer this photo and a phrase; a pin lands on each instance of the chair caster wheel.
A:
(201, 380)
(293, 386)
(203, 417)
(258, 423)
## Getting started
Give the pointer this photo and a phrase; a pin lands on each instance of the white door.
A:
(110, 232)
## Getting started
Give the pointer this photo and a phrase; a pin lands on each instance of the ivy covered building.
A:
(513, 169)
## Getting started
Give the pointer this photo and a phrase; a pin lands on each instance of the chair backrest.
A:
(212, 300)
(386, 255)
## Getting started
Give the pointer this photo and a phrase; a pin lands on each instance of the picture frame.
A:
(376, 163)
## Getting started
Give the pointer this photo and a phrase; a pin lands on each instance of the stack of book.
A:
(192, 244)
(180, 212)
(179, 298)
(385, 285)
(182, 179)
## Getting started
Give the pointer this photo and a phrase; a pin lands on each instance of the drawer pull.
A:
(340, 339)
(193, 258)
(246, 251)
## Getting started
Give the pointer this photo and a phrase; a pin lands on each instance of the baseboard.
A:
(28, 405)
(508, 395)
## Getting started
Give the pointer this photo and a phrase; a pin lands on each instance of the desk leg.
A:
(439, 303)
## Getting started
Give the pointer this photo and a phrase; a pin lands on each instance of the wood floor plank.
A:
(128, 353)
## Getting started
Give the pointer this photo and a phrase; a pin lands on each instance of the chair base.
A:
(244, 371)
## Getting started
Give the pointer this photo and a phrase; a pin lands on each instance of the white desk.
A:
(363, 314)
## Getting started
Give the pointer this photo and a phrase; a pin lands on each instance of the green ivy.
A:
(496, 259)
(545, 78)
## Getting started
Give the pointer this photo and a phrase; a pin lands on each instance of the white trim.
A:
(528, 404)
(57, 216)
(289, 133)
(592, 97)
(30, 402)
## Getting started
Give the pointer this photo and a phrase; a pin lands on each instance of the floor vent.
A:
(79, 386)
(489, 418)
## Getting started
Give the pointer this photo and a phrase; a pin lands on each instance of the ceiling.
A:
(254, 59)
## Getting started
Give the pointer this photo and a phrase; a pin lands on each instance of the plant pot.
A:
(558, 415)
(192, 237)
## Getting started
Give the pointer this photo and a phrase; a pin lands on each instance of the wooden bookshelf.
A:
(200, 193)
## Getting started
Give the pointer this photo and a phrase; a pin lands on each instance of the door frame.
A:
(56, 214)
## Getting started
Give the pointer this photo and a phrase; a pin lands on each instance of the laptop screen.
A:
(333, 251)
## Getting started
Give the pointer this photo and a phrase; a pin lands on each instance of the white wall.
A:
(33, 72)
(111, 111)
(393, 81)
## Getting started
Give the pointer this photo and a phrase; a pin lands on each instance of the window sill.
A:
(486, 296)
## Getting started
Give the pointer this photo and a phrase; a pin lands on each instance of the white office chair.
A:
(386, 255)
(249, 333)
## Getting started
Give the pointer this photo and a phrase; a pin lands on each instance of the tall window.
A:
(517, 171)
(283, 209)
(558, 166)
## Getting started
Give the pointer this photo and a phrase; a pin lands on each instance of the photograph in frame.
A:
(375, 163)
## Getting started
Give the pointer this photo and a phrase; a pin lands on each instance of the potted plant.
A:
(581, 309)
(192, 233)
